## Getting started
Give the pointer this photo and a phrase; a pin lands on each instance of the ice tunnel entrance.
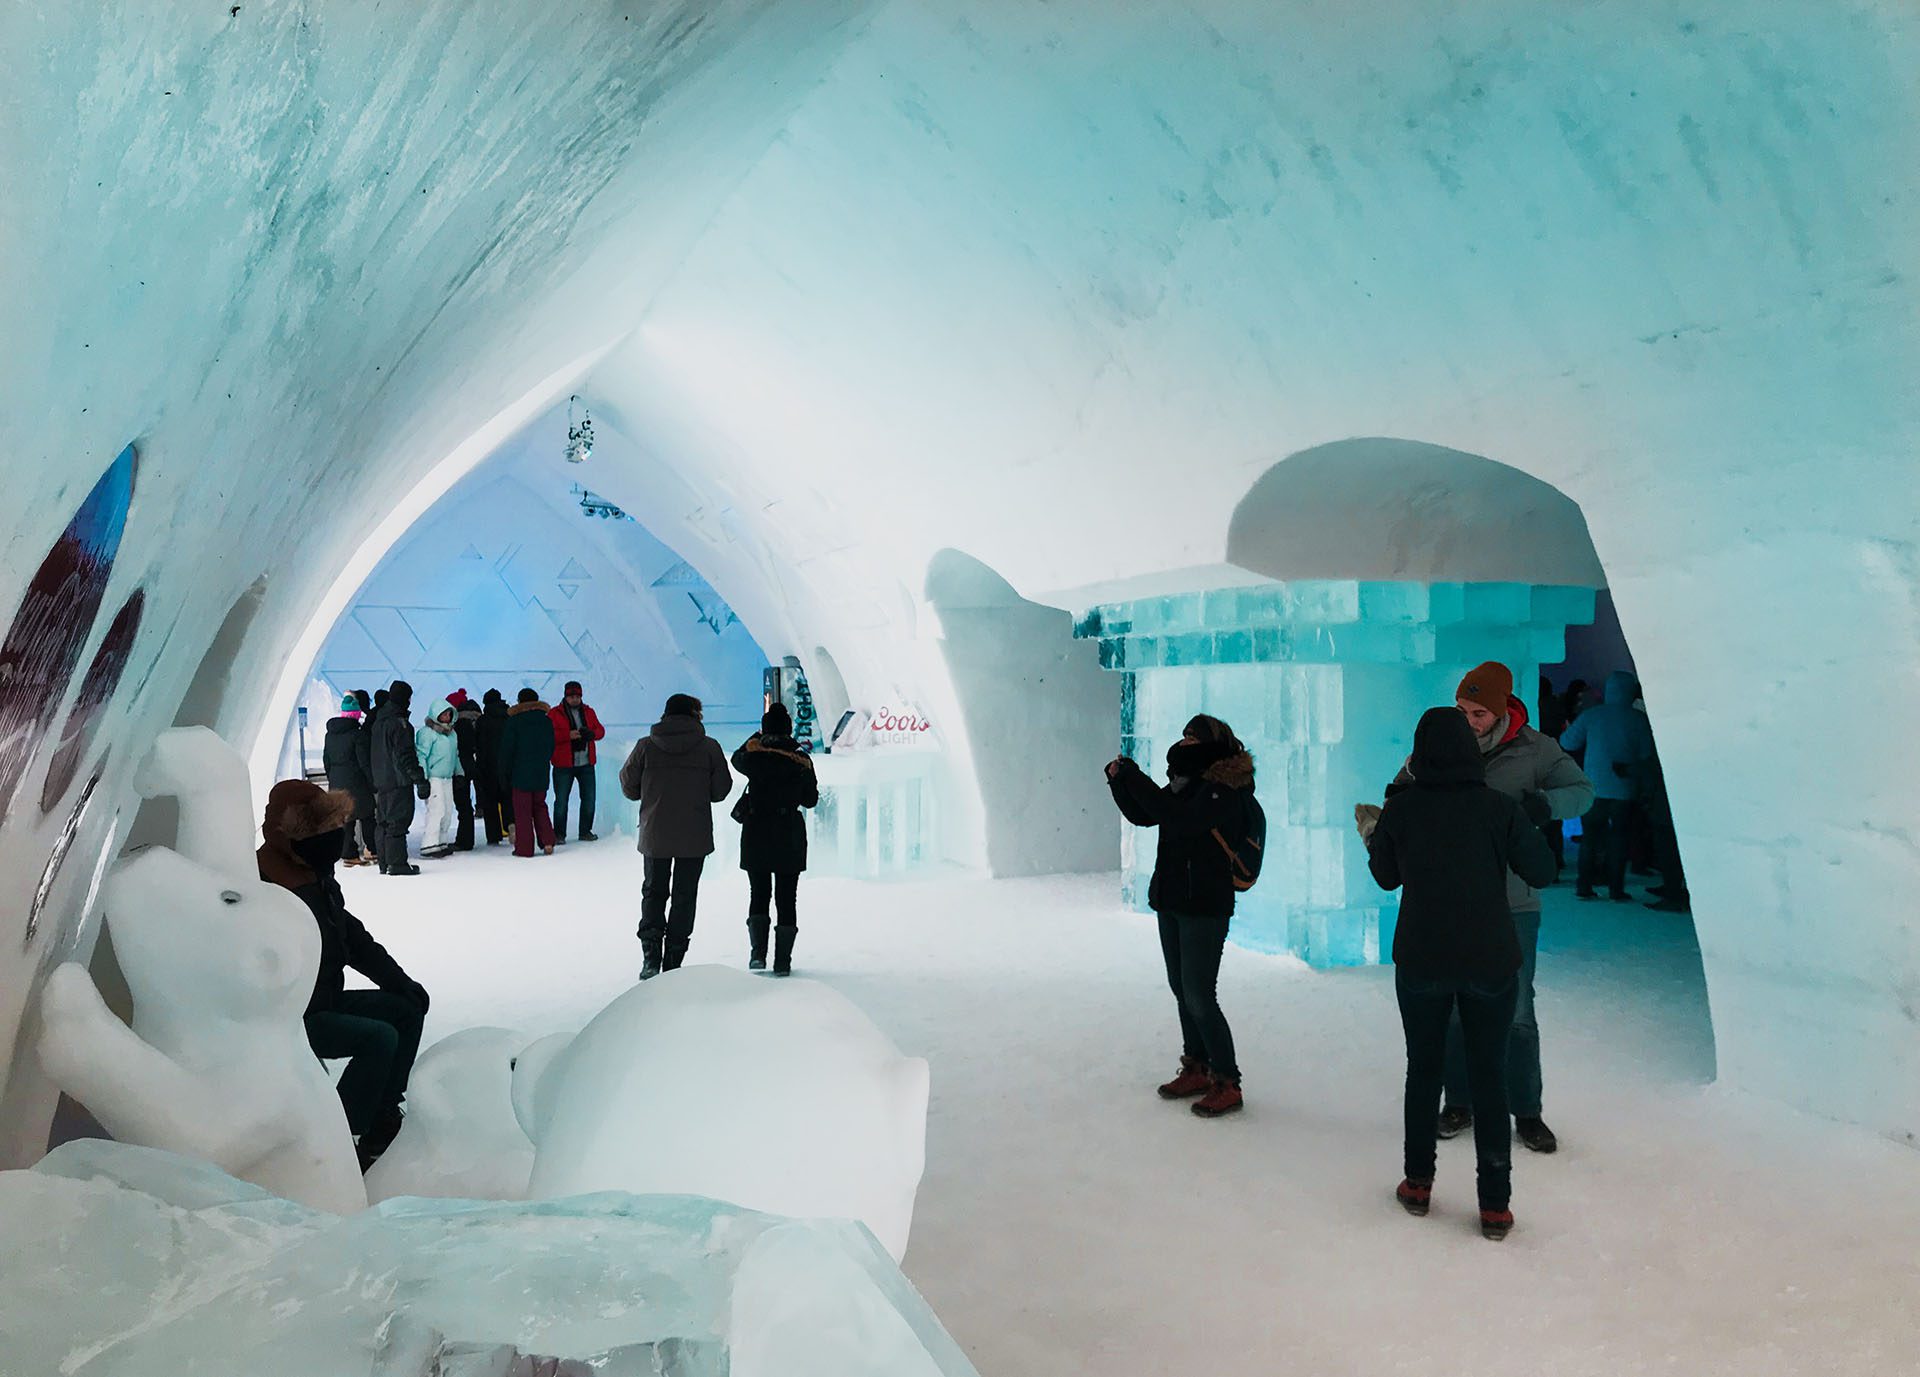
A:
(522, 575)
(1378, 572)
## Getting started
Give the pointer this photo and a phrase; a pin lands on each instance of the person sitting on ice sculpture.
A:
(1208, 797)
(378, 1029)
(1450, 843)
(1534, 772)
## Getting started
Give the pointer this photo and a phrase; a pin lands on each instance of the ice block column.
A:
(1323, 681)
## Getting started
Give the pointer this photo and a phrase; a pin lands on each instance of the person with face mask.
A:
(1535, 773)
(378, 1030)
(1209, 777)
(1449, 843)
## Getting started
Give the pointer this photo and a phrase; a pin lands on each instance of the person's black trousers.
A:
(494, 805)
(463, 810)
(381, 1033)
(668, 897)
(768, 892)
(1191, 948)
(367, 837)
(1603, 845)
(564, 778)
(1486, 1019)
(396, 816)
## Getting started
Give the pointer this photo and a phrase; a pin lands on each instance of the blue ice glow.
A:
(1323, 681)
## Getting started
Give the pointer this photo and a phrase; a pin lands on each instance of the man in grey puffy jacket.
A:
(1532, 770)
(397, 777)
(677, 773)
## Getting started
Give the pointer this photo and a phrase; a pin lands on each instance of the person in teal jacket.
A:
(439, 754)
(1619, 744)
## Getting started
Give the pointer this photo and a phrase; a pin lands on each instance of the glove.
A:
(1534, 804)
(1366, 817)
(423, 789)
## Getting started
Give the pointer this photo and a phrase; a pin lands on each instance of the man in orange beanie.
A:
(1532, 770)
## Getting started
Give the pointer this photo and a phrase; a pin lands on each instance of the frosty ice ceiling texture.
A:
(1323, 681)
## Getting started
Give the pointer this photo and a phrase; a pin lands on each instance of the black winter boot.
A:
(783, 948)
(676, 953)
(650, 957)
(757, 929)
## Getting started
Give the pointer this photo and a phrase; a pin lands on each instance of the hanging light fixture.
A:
(579, 433)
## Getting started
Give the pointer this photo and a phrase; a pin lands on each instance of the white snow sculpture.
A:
(220, 965)
(165, 1265)
(777, 1095)
(461, 1139)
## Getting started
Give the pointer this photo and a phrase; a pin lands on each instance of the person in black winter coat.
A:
(773, 834)
(1447, 841)
(378, 1029)
(397, 777)
(493, 793)
(466, 740)
(1209, 779)
(348, 760)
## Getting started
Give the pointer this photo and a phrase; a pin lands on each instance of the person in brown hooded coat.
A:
(379, 1029)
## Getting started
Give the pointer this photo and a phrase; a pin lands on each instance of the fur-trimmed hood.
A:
(535, 706)
(1235, 772)
(297, 809)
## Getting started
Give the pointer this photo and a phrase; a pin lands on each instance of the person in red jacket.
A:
(575, 730)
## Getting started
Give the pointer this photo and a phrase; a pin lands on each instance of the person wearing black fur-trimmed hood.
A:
(1448, 840)
(1206, 800)
(773, 834)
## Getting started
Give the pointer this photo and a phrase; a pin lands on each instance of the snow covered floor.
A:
(1070, 1222)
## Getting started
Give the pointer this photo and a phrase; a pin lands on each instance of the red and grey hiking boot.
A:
(1415, 1197)
(1496, 1224)
(1223, 1098)
(1194, 1079)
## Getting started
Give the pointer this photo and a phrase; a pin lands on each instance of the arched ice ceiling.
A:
(1053, 284)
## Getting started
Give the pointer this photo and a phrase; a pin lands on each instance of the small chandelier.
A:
(579, 433)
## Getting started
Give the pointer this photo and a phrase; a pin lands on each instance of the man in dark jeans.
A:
(466, 735)
(397, 777)
(677, 773)
(378, 1029)
(576, 734)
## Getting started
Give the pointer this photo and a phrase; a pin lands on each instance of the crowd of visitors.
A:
(1470, 832)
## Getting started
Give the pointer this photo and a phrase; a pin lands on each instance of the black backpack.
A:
(1247, 847)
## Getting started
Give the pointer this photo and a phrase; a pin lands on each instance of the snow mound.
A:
(460, 1139)
(776, 1095)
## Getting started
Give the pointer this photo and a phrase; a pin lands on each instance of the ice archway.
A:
(1050, 284)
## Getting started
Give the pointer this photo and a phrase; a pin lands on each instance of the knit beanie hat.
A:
(572, 686)
(458, 698)
(777, 721)
(1489, 686)
(349, 703)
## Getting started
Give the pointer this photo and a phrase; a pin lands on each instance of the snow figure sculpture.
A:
(461, 1139)
(220, 965)
(776, 1095)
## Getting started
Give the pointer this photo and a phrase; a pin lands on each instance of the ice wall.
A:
(1055, 285)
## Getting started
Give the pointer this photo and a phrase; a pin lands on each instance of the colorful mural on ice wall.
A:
(54, 619)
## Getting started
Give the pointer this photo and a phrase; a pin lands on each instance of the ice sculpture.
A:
(461, 1138)
(1324, 680)
(776, 1095)
(216, 1064)
(168, 1266)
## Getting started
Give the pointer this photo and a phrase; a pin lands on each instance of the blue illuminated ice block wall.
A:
(1324, 682)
